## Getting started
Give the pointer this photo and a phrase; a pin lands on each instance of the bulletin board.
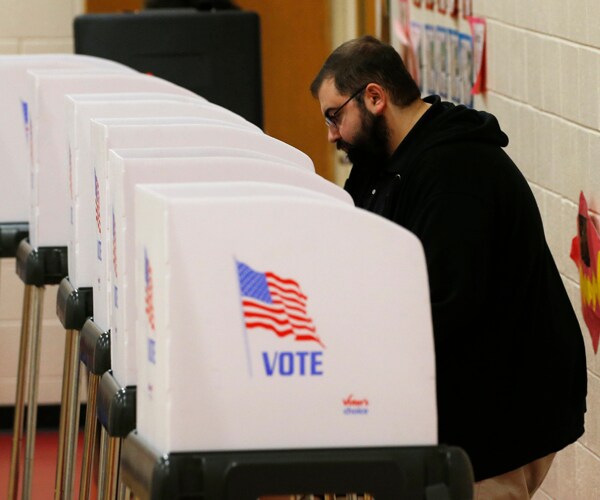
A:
(443, 46)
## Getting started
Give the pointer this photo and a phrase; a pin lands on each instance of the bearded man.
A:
(510, 360)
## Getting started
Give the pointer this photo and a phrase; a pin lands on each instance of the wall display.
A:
(418, 46)
(478, 30)
(453, 65)
(441, 60)
(402, 23)
(467, 8)
(465, 62)
(453, 7)
(585, 252)
(402, 30)
(430, 75)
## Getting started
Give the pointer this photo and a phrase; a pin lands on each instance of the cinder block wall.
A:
(31, 27)
(37, 26)
(543, 85)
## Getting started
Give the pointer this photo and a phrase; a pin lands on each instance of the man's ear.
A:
(376, 98)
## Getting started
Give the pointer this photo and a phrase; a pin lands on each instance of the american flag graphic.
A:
(28, 131)
(276, 304)
(149, 291)
(97, 191)
(114, 244)
(25, 109)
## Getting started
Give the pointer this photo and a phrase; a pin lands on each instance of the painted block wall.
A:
(37, 26)
(32, 27)
(543, 85)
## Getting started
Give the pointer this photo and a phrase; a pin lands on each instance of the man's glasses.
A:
(331, 116)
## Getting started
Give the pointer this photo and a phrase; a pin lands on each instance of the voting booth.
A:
(50, 202)
(49, 210)
(107, 134)
(210, 257)
(116, 133)
(15, 132)
(128, 169)
(16, 128)
(179, 131)
(291, 331)
(80, 109)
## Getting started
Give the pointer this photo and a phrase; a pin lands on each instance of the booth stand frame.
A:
(36, 268)
(73, 307)
(424, 472)
(95, 355)
(117, 416)
(11, 234)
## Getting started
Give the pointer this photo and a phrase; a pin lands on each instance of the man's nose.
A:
(333, 134)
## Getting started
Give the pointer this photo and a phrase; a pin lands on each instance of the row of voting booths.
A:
(245, 331)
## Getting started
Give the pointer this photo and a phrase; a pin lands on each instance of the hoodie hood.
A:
(445, 123)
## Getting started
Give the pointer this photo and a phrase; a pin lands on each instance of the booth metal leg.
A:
(37, 303)
(123, 491)
(69, 419)
(112, 469)
(90, 435)
(58, 482)
(15, 457)
(102, 462)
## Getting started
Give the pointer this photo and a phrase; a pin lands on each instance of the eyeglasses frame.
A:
(330, 116)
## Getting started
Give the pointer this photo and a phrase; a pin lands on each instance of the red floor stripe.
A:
(44, 468)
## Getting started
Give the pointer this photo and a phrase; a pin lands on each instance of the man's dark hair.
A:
(368, 60)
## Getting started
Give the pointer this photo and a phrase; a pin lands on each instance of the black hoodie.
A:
(511, 374)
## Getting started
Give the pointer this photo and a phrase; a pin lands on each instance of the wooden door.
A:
(296, 40)
(105, 6)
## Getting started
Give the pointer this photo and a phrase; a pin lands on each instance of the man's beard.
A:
(369, 148)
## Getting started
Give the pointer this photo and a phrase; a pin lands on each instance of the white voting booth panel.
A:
(125, 173)
(274, 322)
(80, 110)
(15, 124)
(196, 152)
(47, 143)
(49, 218)
(118, 133)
